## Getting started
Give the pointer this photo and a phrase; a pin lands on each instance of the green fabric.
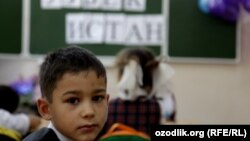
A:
(124, 138)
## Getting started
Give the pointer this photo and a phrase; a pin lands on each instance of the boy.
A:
(74, 99)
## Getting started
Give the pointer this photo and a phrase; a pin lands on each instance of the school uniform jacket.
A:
(49, 133)
(44, 134)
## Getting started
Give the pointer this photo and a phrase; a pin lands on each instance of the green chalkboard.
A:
(47, 28)
(10, 26)
(194, 34)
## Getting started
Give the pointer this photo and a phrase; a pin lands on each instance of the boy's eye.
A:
(73, 101)
(98, 98)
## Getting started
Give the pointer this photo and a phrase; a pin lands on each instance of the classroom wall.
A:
(205, 93)
(216, 93)
(13, 69)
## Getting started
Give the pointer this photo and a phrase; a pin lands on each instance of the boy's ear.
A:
(43, 108)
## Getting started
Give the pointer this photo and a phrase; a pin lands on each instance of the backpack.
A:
(7, 134)
(121, 132)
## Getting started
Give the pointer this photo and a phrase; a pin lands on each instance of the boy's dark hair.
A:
(72, 59)
(9, 98)
(144, 56)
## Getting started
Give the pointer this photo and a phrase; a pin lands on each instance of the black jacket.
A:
(44, 134)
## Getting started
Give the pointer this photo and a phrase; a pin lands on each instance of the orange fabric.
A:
(121, 129)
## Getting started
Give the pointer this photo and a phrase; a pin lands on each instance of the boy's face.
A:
(80, 105)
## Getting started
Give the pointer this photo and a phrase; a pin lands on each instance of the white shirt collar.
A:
(59, 135)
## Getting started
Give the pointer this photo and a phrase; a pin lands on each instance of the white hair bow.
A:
(162, 88)
(130, 82)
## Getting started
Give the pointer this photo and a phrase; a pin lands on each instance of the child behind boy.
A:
(14, 124)
(135, 83)
(73, 84)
